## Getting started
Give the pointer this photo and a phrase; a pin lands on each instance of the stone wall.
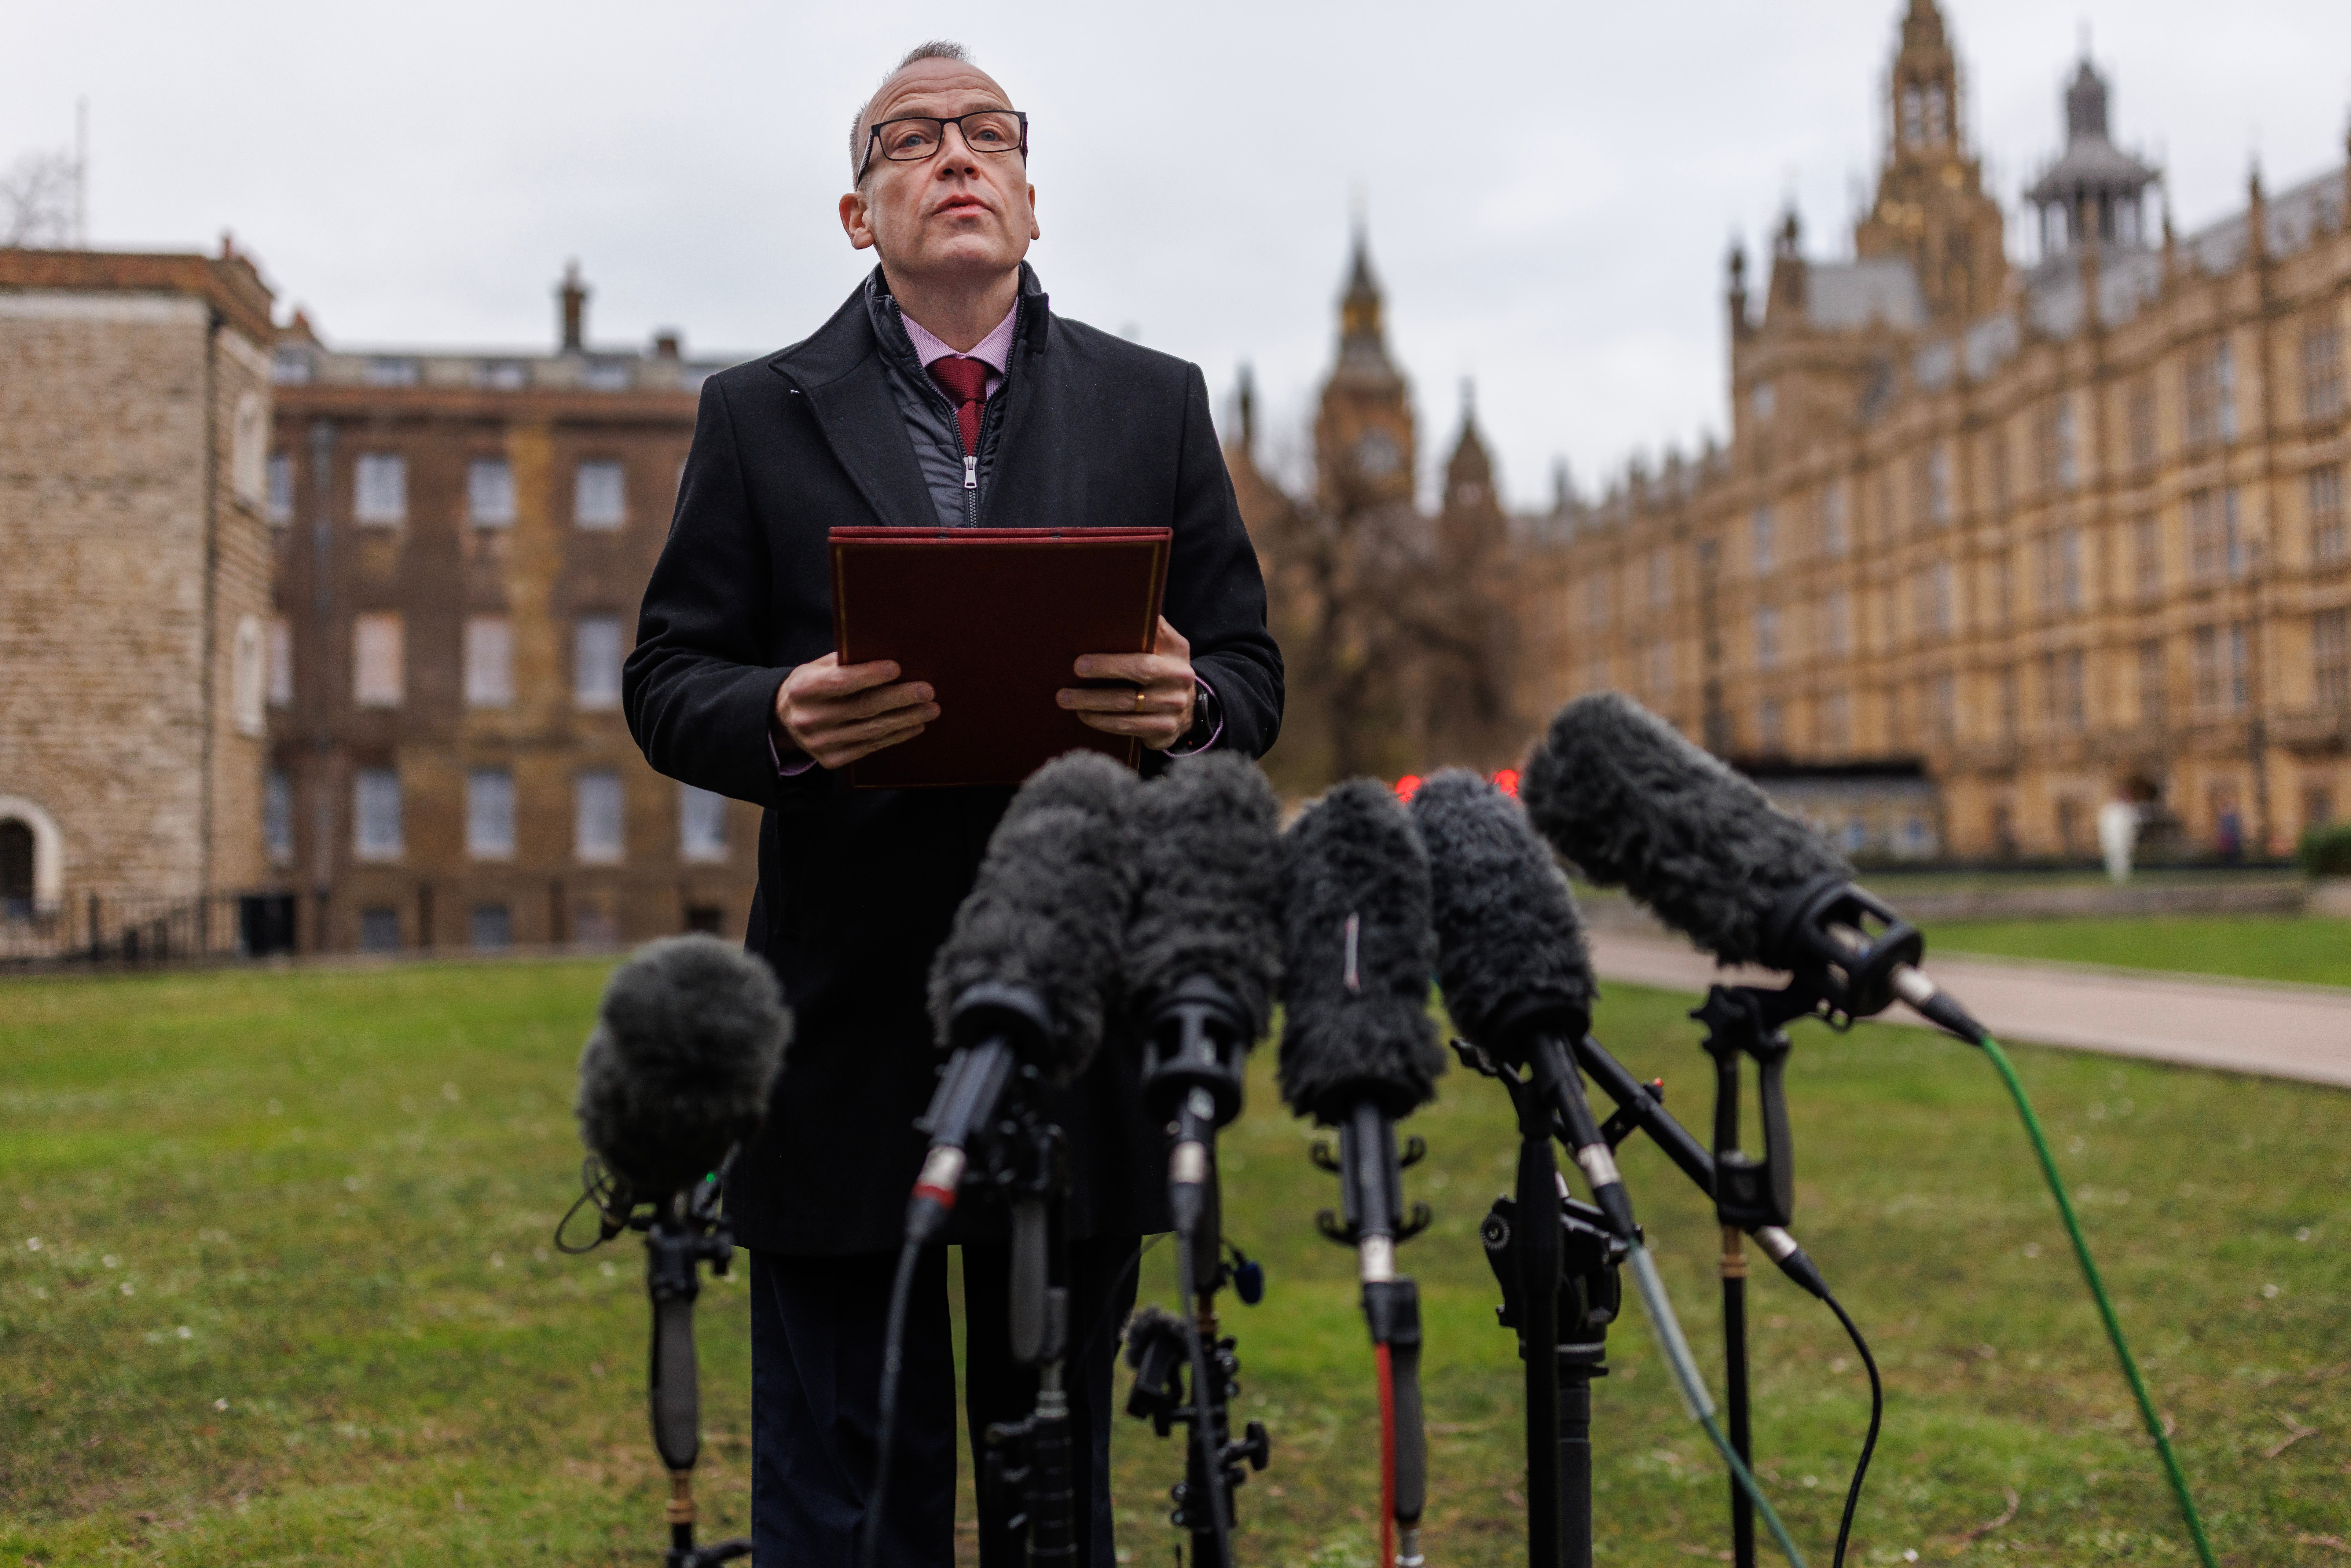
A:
(130, 562)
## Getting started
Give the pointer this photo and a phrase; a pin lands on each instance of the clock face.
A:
(1376, 454)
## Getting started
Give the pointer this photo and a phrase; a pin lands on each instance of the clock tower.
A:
(1363, 436)
(1931, 210)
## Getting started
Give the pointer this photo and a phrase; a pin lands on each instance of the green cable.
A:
(1753, 1488)
(1692, 1388)
(2098, 1293)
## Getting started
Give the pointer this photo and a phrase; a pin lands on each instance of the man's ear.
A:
(856, 222)
(1034, 232)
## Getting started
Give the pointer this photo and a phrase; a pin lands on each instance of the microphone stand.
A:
(1560, 1288)
(1589, 1258)
(990, 1134)
(683, 1231)
(1027, 1466)
(1748, 1193)
(1192, 1081)
(1371, 1194)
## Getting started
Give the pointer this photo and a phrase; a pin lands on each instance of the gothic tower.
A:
(1932, 209)
(1469, 523)
(1363, 434)
(2094, 194)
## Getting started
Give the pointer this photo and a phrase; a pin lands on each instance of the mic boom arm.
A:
(1639, 1106)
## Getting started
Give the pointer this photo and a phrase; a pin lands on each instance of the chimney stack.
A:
(665, 343)
(574, 295)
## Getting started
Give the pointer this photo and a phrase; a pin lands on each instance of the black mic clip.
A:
(1193, 1045)
(1590, 1291)
(1744, 1020)
(620, 1207)
(1358, 1170)
(1845, 945)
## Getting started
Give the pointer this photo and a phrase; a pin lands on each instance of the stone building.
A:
(461, 541)
(2042, 535)
(134, 428)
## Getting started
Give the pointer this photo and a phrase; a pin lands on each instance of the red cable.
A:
(1387, 1457)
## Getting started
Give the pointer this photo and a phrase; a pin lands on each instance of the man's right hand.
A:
(837, 714)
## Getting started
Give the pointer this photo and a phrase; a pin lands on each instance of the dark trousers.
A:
(816, 1377)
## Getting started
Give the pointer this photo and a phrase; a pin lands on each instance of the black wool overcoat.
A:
(857, 888)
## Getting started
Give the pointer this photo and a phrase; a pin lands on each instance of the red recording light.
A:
(1507, 781)
(1407, 786)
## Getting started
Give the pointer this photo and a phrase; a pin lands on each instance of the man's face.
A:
(957, 212)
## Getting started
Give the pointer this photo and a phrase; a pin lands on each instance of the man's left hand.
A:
(1157, 705)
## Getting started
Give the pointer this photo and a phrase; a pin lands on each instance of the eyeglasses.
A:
(920, 136)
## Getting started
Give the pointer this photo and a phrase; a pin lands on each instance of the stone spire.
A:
(1363, 446)
(1363, 340)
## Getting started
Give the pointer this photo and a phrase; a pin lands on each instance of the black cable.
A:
(894, 1357)
(1877, 1412)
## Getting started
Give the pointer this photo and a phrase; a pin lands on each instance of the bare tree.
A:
(1349, 580)
(37, 199)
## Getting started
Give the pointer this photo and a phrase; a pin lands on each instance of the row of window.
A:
(600, 491)
(492, 924)
(293, 367)
(2208, 413)
(2321, 492)
(599, 826)
(2218, 669)
(2216, 547)
(380, 661)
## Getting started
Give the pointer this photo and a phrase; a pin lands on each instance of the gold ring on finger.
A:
(1138, 699)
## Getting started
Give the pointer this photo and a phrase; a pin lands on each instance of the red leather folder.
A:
(994, 620)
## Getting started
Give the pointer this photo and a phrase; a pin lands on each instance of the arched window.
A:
(15, 869)
(32, 860)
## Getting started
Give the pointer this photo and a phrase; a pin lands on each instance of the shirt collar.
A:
(992, 349)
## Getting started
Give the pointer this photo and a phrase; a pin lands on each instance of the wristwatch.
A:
(1207, 714)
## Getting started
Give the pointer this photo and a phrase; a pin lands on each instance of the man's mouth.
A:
(960, 206)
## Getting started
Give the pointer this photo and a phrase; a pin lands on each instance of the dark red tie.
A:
(964, 380)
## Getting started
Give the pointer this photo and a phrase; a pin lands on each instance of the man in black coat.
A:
(944, 393)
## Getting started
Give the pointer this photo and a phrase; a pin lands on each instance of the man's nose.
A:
(951, 140)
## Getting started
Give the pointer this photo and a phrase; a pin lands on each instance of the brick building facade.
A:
(134, 425)
(2045, 535)
(462, 539)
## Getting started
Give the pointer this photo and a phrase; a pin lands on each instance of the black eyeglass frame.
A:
(874, 136)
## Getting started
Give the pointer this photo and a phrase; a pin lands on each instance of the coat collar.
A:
(849, 339)
(839, 370)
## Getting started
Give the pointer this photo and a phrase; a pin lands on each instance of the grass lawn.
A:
(2306, 948)
(293, 1302)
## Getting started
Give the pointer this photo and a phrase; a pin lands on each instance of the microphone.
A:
(1019, 988)
(1512, 958)
(1356, 952)
(1358, 1050)
(688, 1042)
(1621, 793)
(1202, 952)
(1018, 991)
(675, 1076)
(1202, 960)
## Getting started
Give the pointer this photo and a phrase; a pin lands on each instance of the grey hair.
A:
(936, 50)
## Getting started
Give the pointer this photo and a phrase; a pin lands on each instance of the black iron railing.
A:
(141, 928)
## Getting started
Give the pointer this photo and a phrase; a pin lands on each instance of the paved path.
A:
(2239, 1025)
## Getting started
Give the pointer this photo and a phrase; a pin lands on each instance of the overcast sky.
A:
(1551, 189)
